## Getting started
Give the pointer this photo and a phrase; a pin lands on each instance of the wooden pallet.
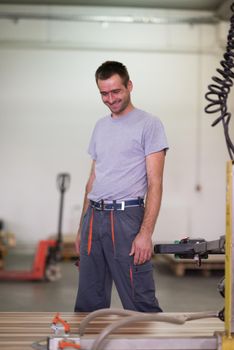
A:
(68, 245)
(180, 266)
(18, 330)
(69, 250)
(3, 251)
(7, 240)
(1, 264)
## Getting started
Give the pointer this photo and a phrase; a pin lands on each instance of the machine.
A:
(197, 249)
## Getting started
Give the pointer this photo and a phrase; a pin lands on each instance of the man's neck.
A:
(125, 112)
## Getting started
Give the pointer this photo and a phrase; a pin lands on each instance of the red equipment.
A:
(48, 253)
(59, 324)
(68, 344)
(39, 269)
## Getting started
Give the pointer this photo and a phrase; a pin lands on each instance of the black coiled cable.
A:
(218, 92)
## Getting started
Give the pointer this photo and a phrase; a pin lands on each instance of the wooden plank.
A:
(18, 330)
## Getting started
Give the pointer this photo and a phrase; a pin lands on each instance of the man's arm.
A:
(142, 244)
(88, 188)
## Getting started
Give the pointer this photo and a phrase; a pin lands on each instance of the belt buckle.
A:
(122, 205)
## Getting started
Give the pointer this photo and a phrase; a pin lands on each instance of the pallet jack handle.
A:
(63, 183)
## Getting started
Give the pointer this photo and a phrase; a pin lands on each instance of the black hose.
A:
(218, 92)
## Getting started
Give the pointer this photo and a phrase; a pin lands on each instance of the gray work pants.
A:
(106, 240)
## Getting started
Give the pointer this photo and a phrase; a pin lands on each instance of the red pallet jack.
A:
(48, 252)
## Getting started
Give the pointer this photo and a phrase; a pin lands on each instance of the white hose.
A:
(160, 317)
(104, 312)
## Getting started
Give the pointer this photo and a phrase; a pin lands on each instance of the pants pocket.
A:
(143, 282)
(127, 224)
(85, 232)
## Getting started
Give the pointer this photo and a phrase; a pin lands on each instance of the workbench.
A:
(18, 330)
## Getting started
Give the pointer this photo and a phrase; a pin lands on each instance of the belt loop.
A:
(102, 204)
(140, 202)
(114, 205)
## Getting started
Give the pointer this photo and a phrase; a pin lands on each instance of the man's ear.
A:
(130, 85)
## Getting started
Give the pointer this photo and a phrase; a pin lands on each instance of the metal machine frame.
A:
(228, 337)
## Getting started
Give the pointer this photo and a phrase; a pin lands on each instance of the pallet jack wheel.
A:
(53, 272)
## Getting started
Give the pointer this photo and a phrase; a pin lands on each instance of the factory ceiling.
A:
(220, 8)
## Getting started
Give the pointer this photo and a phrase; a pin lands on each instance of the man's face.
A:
(115, 95)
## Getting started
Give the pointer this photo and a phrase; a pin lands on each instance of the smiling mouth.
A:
(115, 104)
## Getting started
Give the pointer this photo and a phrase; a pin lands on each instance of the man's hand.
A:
(141, 248)
(88, 188)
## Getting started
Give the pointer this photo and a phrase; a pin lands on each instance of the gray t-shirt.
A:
(119, 147)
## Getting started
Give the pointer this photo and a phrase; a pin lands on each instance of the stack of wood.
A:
(19, 330)
(180, 266)
(68, 245)
(69, 251)
(7, 240)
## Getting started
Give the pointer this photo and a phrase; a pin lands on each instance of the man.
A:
(114, 238)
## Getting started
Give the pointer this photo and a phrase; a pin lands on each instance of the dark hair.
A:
(109, 68)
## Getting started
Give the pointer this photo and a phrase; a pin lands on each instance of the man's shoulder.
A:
(102, 121)
(146, 117)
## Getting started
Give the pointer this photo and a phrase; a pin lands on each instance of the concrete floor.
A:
(193, 292)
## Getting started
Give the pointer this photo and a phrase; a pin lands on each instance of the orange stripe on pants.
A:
(131, 279)
(90, 233)
(112, 228)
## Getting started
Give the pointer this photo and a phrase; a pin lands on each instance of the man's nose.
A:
(110, 97)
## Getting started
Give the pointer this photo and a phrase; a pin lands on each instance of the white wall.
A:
(49, 105)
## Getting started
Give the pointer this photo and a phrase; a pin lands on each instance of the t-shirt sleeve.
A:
(154, 136)
(92, 145)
